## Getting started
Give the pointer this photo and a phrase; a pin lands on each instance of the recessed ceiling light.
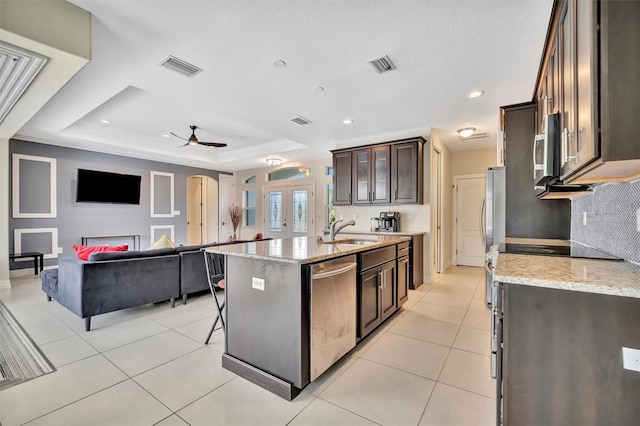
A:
(279, 63)
(466, 132)
(318, 89)
(347, 121)
(475, 94)
(166, 136)
(105, 121)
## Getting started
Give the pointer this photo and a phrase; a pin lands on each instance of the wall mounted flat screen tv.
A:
(105, 187)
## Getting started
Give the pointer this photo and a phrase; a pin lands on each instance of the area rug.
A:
(20, 358)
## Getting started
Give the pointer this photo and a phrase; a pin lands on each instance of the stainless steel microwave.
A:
(546, 152)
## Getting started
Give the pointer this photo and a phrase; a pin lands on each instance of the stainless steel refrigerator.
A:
(494, 215)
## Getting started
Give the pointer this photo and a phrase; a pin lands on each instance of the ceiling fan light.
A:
(274, 161)
(466, 132)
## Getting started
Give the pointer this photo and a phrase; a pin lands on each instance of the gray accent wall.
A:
(74, 220)
(612, 219)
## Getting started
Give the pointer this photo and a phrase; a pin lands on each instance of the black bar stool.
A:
(214, 264)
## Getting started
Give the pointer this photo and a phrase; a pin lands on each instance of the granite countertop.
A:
(609, 277)
(304, 249)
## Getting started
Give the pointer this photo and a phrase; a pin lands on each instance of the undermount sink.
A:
(350, 241)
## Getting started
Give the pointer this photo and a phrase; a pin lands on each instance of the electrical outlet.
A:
(354, 217)
(584, 218)
(631, 359)
(257, 283)
(341, 217)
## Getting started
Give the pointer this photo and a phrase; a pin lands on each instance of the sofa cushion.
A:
(162, 242)
(98, 257)
(83, 252)
(49, 278)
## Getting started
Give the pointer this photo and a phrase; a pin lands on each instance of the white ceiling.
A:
(443, 49)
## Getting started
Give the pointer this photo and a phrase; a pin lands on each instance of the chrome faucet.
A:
(333, 229)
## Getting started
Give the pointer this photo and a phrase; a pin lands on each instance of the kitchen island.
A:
(278, 335)
(562, 325)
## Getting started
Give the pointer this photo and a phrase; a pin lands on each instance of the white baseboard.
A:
(17, 273)
(426, 279)
(5, 284)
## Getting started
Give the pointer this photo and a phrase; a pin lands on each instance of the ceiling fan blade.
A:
(179, 137)
(213, 144)
(184, 144)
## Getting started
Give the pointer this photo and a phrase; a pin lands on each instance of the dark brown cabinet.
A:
(403, 280)
(389, 173)
(377, 288)
(342, 178)
(371, 175)
(560, 348)
(407, 172)
(590, 73)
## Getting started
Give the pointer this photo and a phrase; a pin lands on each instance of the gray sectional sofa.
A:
(110, 281)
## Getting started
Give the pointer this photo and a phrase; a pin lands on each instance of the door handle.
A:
(483, 235)
(223, 223)
(380, 286)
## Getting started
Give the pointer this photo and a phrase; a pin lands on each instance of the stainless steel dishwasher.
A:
(333, 312)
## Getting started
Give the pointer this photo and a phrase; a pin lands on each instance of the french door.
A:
(288, 211)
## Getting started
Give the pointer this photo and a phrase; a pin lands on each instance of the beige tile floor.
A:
(427, 365)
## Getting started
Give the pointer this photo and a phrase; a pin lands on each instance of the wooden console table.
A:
(38, 259)
(88, 240)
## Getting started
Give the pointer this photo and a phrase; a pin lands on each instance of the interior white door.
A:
(226, 196)
(469, 247)
(194, 210)
(288, 211)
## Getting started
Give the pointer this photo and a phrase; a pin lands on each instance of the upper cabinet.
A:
(389, 173)
(371, 175)
(342, 178)
(590, 74)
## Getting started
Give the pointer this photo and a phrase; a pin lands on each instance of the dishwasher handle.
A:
(332, 272)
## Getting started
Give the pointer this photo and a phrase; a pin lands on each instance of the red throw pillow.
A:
(83, 252)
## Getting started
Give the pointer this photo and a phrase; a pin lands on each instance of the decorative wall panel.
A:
(34, 186)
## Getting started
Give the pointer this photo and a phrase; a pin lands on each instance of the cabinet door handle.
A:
(349, 198)
(369, 196)
(374, 196)
(395, 197)
(381, 285)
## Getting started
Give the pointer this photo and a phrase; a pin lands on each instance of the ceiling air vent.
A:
(300, 121)
(383, 64)
(475, 136)
(180, 66)
(18, 68)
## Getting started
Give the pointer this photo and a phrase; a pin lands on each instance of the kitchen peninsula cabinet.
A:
(278, 294)
(377, 288)
(590, 74)
(386, 173)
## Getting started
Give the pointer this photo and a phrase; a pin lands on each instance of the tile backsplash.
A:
(612, 219)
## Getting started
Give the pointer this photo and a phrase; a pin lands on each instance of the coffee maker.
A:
(389, 221)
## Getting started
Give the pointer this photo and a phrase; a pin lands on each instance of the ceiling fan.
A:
(194, 141)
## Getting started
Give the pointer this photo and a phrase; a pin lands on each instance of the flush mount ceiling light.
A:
(318, 89)
(105, 121)
(166, 136)
(279, 63)
(274, 161)
(347, 121)
(466, 132)
(475, 94)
